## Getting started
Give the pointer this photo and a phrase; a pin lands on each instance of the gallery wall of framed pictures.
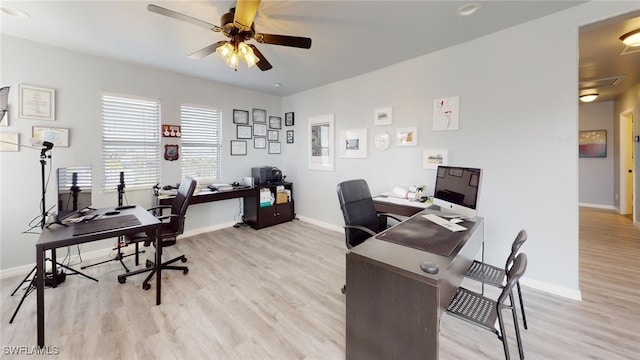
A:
(262, 129)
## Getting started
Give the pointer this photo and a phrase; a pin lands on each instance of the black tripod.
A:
(121, 241)
(54, 278)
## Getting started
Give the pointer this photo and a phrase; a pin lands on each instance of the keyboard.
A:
(444, 222)
(104, 224)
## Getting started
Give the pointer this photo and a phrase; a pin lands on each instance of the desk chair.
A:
(360, 217)
(483, 312)
(495, 276)
(172, 226)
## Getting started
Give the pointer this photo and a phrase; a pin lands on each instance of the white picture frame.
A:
(59, 137)
(321, 142)
(274, 147)
(37, 103)
(9, 142)
(432, 158)
(353, 144)
(445, 114)
(259, 142)
(407, 136)
(260, 130)
(383, 116)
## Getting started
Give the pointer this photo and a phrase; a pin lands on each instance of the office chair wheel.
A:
(122, 280)
(149, 264)
(185, 271)
(146, 286)
(344, 289)
(183, 259)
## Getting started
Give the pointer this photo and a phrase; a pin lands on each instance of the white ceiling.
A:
(349, 37)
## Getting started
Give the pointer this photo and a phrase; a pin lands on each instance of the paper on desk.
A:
(395, 200)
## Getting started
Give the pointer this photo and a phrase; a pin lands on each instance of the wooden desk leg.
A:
(158, 265)
(40, 294)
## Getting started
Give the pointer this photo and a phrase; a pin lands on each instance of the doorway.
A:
(627, 164)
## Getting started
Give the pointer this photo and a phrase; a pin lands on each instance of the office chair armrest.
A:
(387, 215)
(361, 228)
(160, 207)
(169, 216)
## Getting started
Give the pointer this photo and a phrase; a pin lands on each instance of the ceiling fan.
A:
(238, 26)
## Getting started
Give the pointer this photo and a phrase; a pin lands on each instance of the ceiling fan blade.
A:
(284, 40)
(245, 13)
(263, 64)
(206, 51)
(176, 15)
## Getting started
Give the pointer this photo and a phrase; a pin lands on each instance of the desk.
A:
(393, 308)
(398, 206)
(61, 236)
(206, 195)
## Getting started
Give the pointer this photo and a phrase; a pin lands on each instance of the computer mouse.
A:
(456, 220)
(429, 267)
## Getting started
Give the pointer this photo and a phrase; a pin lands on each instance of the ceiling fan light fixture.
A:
(468, 9)
(632, 38)
(17, 13)
(588, 97)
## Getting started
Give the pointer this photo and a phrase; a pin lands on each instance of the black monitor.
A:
(457, 190)
(74, 190)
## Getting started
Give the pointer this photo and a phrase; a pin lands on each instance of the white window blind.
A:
(201, 142)
(130, 141)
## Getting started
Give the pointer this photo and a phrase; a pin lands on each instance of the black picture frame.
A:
(289, 119)
(275, 122)
(238, 147)
(259, 129)
(259, 115)
(272, 135)
(240, 117)
(274, 147)
(244, 131)
(289, 136)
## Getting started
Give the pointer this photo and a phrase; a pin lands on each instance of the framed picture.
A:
(272, 135)
(259, 116)
(275, 122)
(240, 117)
(456, 172)
(382, 116)
(407, 136)
(353, 144)
(259, 129)
(321, 142)
(36, 103)
(58, 136)
(473, 181)
(288, 119)
(238, 147)
(9, 142)
(445, 114)
(289, 136)
(4, 118)
(432, 158)
(592, 144)
(243, 131)
(259, 142)
(274, 147)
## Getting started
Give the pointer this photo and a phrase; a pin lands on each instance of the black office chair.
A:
(483, 312)
(495, 276)
(361, 221)
(172, 226)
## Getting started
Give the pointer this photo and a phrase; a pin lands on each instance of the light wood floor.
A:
(275, 294)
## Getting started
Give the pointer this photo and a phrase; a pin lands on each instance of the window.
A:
(130, 141)
(201, 142)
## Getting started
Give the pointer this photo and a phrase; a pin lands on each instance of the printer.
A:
(266, 175)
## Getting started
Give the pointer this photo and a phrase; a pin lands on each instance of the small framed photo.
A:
(288, 119)
(259, 142)
(259, 116)
(289, 136)
(274, 148)
(272, 135)
(37, 103)
(353, 143)
(259, 129)
(382, 116)
(407, 136)
(238, 147)
(243, 131)
(58, 136)
(240, 117)
(9, 142)
(431, 159)
(275, 122)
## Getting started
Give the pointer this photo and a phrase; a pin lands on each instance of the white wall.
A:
(596, 174)
(518, 121)
(79, 80)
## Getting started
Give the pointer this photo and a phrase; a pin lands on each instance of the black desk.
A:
(393, 308)
(206, 195)
(61, 236)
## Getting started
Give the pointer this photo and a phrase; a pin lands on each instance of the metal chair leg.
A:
(524, 318)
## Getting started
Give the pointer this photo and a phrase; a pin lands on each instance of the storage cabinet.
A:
(280, 211)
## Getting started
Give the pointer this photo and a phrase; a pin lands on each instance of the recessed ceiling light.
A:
(14, 12)
(632, 38)
(588, 97)
(468, 9)
(276, 84)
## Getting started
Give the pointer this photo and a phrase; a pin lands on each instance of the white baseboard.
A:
(598, 206)
(572, 294)
(322, 224)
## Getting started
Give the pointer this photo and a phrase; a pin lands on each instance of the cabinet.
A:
(260, 217)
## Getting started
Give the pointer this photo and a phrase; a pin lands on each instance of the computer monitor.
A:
(74, 190)
(457, 190)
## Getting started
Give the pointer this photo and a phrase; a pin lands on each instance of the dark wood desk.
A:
(404, 208)
(206, 195)
(393, 308)
(61, 236)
